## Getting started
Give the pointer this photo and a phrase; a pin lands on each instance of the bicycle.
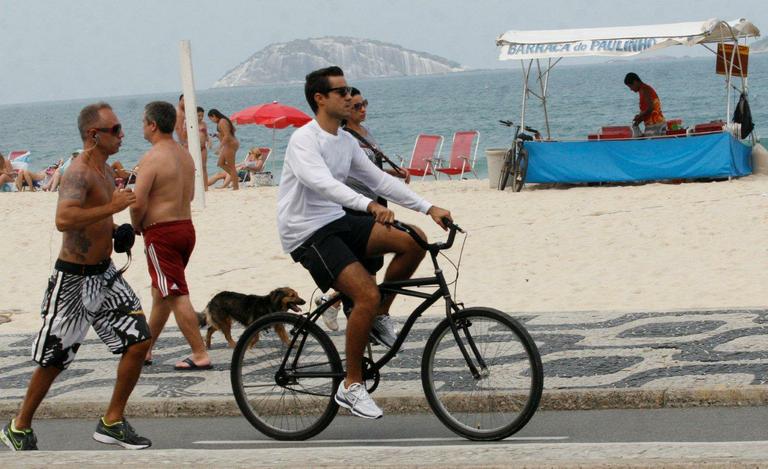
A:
(480, 370)
(516, 158)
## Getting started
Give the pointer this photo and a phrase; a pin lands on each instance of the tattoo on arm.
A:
(74, 187)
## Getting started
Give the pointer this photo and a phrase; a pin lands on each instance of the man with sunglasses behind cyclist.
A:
(332, 244)
(85, 290)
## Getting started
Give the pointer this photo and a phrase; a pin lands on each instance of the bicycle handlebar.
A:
(521, 135)
(438, 246)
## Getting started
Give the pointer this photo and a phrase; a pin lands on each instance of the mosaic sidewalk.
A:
(584, 354)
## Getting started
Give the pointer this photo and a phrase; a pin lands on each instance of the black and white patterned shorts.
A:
(79, 296)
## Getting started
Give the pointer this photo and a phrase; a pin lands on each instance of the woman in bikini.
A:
(6, 171)
(228, 145)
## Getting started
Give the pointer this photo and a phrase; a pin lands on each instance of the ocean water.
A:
(582, 99)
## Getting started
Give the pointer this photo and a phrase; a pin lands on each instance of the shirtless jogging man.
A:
(331, 244)
(162, 213)
(86, 289)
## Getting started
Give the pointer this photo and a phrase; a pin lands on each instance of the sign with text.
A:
(607, 47)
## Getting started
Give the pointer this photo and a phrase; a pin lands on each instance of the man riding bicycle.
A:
(332, 244)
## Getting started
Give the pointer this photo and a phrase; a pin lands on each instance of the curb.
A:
(552, 400)
(706, 455)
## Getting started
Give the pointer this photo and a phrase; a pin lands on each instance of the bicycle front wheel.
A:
(505, 395)
(520, 170)
(292, 401)
(506, 169)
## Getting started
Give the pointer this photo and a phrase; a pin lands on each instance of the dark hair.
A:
(317, 82)
(89, 116)
(181, 96)
(352, 92)
(200, 109)
(631, 78)
(161, 113)
(217, 114)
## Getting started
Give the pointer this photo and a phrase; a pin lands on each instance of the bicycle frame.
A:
(400, 287)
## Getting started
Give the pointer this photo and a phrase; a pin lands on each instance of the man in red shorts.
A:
(163, 215)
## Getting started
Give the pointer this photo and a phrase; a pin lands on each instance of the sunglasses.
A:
(360, 105)
(340, 90)
(114, 130)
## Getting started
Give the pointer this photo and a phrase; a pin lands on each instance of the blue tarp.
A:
(701, 156)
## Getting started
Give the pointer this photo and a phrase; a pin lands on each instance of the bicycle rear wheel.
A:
(504, 397)
(521, 170)
(279, 404)
(506, 169)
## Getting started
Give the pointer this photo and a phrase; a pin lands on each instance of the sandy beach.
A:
(629, 248)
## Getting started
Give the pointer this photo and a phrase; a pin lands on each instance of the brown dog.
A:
(245, 309)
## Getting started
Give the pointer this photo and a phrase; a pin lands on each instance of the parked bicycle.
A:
(480, 369)
(516, 158)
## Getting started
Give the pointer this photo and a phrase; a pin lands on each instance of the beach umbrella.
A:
(271, 115)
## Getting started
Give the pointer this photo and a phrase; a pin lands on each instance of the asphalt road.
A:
(610, 426)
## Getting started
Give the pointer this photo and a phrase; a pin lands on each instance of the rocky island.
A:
(360, 58)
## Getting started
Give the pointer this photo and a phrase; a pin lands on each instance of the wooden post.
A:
(193, 132)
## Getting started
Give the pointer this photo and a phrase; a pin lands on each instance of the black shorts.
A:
(336, 245)
(371, 264)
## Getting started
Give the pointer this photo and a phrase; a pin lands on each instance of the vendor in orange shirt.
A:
(650, 107)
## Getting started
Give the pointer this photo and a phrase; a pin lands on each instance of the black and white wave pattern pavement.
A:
(579, 350)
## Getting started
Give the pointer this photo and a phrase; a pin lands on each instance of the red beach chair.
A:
(463, 157)
(426, 151)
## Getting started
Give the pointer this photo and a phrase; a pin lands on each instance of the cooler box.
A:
(615, 132)
(708, 127)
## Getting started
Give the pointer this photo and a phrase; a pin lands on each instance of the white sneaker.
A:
(358, 401)
(383, 331)
(330, 315)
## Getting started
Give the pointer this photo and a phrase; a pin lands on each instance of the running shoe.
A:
(330, 315)
(18, 440)
(358, 401)
(383, 331)
(120, 433)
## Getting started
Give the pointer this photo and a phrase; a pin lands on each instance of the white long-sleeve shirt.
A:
(312, 190)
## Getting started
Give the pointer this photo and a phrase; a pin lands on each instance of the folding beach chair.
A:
(19, 160)
(258, 178)
(426, 152)
(463, 156)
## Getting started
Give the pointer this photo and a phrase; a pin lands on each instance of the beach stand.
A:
(712, 150)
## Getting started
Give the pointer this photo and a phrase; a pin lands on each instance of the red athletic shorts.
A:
(169, 246)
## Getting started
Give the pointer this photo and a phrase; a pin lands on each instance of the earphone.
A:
(96, 137)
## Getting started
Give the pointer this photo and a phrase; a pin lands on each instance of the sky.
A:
(70, 49)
